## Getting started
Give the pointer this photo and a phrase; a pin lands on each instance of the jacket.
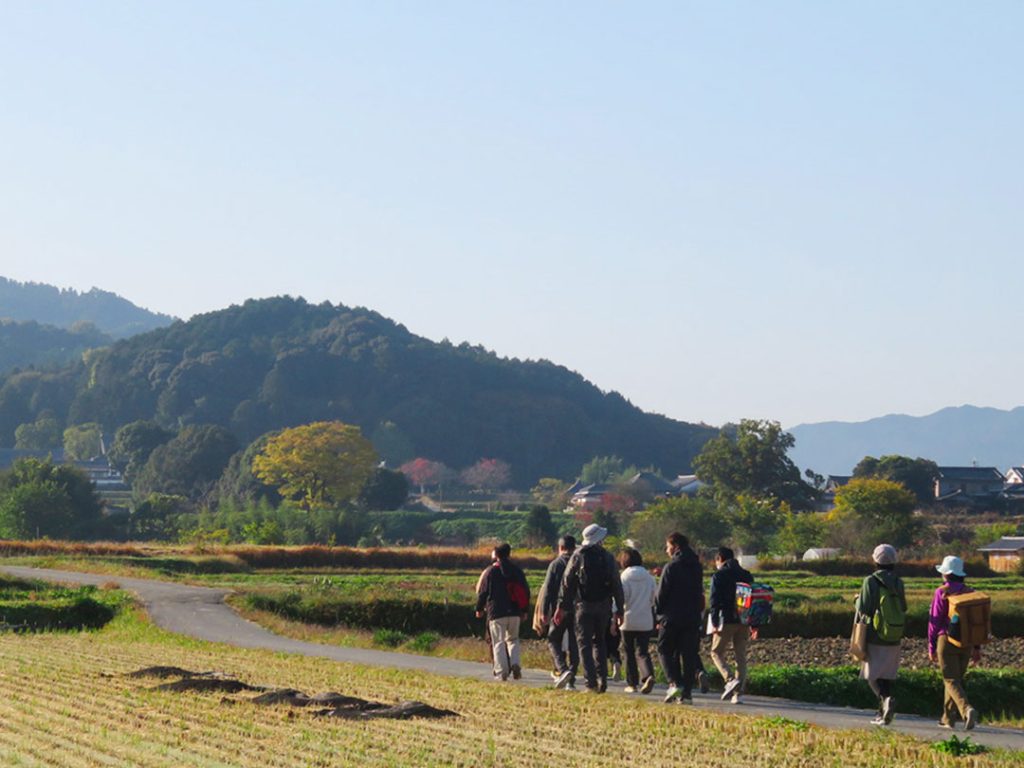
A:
(680, 597)
(638, 588)
(569, 593)
(938, 615)
(723, 592)
(870, 596)
(492, 589)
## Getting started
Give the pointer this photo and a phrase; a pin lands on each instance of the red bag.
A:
(518, 596)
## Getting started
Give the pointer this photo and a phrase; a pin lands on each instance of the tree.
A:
(916, 475)
(881, 511)
(753, 463)
(83, 441)
(605, 469)
(238, 484)
(386, 489)
(425, 473)
(799, 532)
(156, 517)
(539, 529)
(487, 475)
(551, 493)
(188, 465)
(38, 498)
(133, 445)
(320, 465)
(754, 522)
(699, 518)
(393, 445)
(41, 435)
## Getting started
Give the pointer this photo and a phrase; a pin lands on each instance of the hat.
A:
(593, 534)
(884, 554)
(951, 564)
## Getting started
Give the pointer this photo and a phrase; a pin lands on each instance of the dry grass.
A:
(58, 707)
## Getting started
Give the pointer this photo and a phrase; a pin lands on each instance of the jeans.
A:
(637, 648)
(591, 628)
(675, 643)
(556, 637)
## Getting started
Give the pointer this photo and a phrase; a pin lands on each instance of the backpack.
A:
(970, 619)
(517, 595)
(595, 575)
(890, 617)
(754, 604)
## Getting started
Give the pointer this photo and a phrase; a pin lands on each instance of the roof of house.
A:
(682, 481)
(1005, 544)
(653, 482)
(1018, 470)
(596, 489)
(977, 474)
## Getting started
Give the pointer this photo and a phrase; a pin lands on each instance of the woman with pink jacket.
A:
(953, 660)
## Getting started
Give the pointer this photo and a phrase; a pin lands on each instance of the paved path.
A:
(202, 613)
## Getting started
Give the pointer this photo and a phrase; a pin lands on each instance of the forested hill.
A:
(280, 362)
(31, 344)
(65, 308)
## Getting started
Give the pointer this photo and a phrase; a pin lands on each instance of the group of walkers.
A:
(591, 601)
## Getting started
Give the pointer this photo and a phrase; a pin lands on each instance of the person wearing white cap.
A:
(882, 605)
(590, 583)
(953, 660)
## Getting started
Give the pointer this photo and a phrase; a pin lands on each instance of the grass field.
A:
(64, 700)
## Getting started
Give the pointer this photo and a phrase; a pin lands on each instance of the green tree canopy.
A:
(43, 434)
(133, 445)
(539, 529)
(606, 469)
(320, 465)
(188, 465)
(881, 511)
(387, 489)
(83, 441)
(699, 518)
(753, 462)
(916, 475)
(39, 498)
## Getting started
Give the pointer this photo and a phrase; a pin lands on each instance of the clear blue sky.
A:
(799, 211)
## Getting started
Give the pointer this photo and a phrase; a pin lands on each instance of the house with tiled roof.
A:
(968, 483)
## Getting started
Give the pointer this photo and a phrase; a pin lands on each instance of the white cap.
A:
(951, 564)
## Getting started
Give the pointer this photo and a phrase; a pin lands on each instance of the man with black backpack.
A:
(590, 584)
(563, 634)
(679, 605)
(503, 590)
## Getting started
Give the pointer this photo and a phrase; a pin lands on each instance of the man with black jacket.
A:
(565, 632)
(679, 604)
(499, 588)
(590, 583)
(725, 622)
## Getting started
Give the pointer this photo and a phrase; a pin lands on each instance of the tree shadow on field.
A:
(329, 704)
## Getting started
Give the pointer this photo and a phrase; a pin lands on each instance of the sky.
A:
(792, 211)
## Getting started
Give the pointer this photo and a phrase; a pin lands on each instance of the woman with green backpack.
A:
(882, 605)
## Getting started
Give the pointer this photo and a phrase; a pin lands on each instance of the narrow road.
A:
(201, 612)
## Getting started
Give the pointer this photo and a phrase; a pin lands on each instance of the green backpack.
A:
(890, 617)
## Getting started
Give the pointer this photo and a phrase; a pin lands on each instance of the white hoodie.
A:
(638, 588)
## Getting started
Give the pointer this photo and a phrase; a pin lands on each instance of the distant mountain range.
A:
(274, 363)
(952, 437)
(66, 308)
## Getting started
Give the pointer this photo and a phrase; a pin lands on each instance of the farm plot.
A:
(66, 699)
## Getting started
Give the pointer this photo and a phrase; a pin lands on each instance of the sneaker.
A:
(737, 699)
(946, 725)
(674, 694)
(971, 720)
(503, 676)
(517, 672)
(878, 720)
(571, 686)
(702, 681)
(629, 689)
(730, 688)
(616, 671)
(591, 689)
(555, 674)
(888, 709)
(647, 685)
(564, 680)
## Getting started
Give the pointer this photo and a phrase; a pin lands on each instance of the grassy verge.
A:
(64, 700)
(35, 606)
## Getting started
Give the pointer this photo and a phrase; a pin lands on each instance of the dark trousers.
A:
(637, 648)
(677, 643)
(591, 630)
(556, 636)
(613, 642)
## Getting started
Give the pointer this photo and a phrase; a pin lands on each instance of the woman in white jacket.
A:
(638, 588)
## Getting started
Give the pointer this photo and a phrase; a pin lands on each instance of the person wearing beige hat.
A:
(882, 605)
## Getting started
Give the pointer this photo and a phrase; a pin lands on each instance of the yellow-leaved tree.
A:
(320, 465)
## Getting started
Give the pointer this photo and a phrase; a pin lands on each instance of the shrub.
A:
(389, 638)
(424, 642)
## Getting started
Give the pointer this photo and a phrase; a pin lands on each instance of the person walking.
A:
(953, 660)
(882, 605)
(638, 588)
(503, 591)
(678, 604)
(727, 631)
(590, 584)
(561, 637)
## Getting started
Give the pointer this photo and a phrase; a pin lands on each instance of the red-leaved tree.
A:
(487, 475)
(423, 472)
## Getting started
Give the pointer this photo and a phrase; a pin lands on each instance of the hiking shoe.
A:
(564, 680)
(674, 694)
(647, 685)
(888, 709)
(629, 689)
(971, 720)
(730, 688)
(702, 681)
(616, 670)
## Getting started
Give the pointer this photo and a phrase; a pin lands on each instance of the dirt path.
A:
(201, 612)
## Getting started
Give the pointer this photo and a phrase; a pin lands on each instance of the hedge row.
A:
(433, 558)
(919, 692)
(62, 613)
(860, 567)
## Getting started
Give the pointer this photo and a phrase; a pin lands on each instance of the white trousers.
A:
(505, 639)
